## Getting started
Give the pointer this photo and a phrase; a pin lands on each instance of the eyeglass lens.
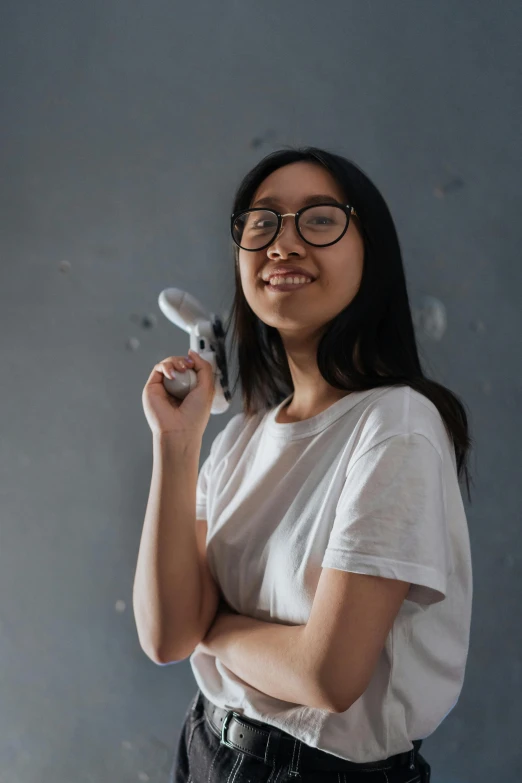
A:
(319, 225)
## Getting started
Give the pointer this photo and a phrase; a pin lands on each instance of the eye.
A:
(257, 224)
(320, 218)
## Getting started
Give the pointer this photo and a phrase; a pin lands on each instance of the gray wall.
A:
(125, 128)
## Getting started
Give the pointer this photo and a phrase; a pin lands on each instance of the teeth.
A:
(286, 280)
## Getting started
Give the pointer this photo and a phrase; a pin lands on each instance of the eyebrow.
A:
(316, 198)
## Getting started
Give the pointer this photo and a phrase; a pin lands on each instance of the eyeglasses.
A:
(319, 225)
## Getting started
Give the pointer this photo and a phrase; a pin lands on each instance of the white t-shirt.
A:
(369, 485)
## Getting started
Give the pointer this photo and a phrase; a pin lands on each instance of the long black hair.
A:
(371, 343)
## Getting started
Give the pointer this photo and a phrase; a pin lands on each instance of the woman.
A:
(336, 528)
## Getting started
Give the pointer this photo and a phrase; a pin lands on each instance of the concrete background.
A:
(125, 128)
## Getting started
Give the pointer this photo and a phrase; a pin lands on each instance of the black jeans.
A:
(268, 755)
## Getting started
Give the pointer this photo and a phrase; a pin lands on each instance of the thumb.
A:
(201, 365)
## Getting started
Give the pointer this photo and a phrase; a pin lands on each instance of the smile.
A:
(287, 287)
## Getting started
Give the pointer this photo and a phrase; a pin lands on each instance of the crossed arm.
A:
(327, 663)
(267, 656)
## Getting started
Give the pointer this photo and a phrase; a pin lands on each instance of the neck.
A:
(312, 393)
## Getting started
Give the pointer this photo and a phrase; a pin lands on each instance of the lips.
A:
(281, 287)
(309, 280)
(291, 271)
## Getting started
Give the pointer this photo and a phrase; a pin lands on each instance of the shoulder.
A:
(403, 413)
(236, 430)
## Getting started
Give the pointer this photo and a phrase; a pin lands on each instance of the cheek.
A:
(348, 266)
(251, 286)
(342, 270)
(249, 269)
(340, 283)
(356, 270)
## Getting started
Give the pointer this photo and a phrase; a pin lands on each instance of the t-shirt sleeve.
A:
(391, 518)
(202, 488)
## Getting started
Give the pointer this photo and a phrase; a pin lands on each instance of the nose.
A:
(290, 235)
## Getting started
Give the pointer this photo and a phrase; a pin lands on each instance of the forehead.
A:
(290, 186)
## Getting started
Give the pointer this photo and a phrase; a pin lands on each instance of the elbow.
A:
(340, 703)
(152, 654)
(167, 651)
(166, 640)
(164, 655)
(158, 654)
(335, 698)
(160, 657)
(336, 702)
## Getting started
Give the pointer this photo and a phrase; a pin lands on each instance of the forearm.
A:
(166, 591)
(269, 657)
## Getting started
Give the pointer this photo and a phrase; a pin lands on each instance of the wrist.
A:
(172, 444)
(215, 634)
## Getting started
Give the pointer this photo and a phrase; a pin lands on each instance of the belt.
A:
(264, 742)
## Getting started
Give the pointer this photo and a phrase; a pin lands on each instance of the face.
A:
(304, 312)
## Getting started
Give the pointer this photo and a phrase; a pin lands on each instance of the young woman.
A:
(331, 511)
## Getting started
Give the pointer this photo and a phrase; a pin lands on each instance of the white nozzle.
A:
(181, 308)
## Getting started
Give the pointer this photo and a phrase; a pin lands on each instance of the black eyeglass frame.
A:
(347, 209)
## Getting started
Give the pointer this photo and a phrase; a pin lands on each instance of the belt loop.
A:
(272, 746)
(294, 773)
(416, 747)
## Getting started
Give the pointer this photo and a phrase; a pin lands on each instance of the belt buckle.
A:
(224, 741)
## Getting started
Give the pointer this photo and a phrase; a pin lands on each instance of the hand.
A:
(184, 420)
(224, 611)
